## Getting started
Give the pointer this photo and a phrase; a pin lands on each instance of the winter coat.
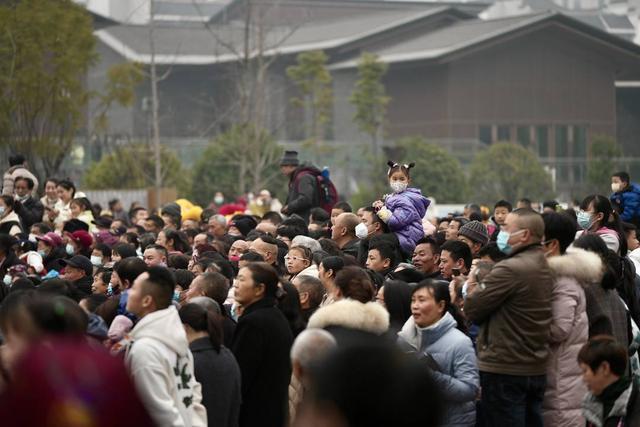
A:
(616, 311)
(161, 366)
(30, 211)
(512, 306)
(407, 210)
(303, 193)
(625, 411)
(311, 271)
(261, 345)
(219, 375)
(457, 373)
(10, 176)
(569, 332)
(628, 203)
(10, 224)
(610, 237)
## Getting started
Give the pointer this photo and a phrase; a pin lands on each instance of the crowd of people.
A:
(316, 316)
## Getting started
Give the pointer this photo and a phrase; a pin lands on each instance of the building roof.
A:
(465, 35)
(193, 11)
(201, 43)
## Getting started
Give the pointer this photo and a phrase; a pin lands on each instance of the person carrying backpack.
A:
(308, 187)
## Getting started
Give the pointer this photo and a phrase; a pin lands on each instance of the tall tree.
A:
(603, 155)
(46, 48)
(370, 99)
(508, 171)
(133, 166)
(313, 80)
(437, 173)
(222, 165)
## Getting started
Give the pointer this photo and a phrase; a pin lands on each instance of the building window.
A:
(524, 136)
(562, 141)
(484, 134)
(542, 141)
(504, 134)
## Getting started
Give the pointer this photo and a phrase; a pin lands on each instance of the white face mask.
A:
(398, 186)
(96, 261)
(6, 280)
(362, 231)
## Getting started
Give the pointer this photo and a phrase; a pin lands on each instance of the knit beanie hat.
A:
(244, 223)
(290, 158)
(475, 231)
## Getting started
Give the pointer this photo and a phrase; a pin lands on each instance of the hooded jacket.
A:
(162, 369)
(624, 413)
(351, 314)
(457, 373)
(628, 201)
(10, 224)
(406, 212)
(10, 176)
(569, 332)
(513, 308)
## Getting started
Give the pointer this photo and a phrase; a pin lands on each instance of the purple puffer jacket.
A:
(408, 208)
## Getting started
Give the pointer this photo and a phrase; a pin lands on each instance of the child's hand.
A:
(378, 204)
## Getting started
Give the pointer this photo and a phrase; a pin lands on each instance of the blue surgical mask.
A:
(69, 248)
(42, 253)
(2, 210)
(503, 241)
(584, 220)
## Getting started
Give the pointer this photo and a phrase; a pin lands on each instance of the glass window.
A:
(523, 136)
(562, 141)
(542, 140)
(504, 133)
(484, 134)
(580, 141)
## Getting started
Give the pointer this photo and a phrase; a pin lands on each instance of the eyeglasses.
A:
(294, 258)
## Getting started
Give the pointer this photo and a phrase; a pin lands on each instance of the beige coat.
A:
(562, 406)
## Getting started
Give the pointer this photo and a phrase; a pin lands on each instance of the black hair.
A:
(287, 231)
(179, 238)
(610, 218)
(129, 269)
(265, 274)
(200, 320)
(105, 250)
(224, 267)
(42, 227)
(289, 305)
(593, 243)
(397, 299)
(296, 222)
(435, 247)
(9, 201)
(526, 202)
(458, 250)
(439, 289)
(604, 348)
(29, 181)
(333, 263)
(319, 215)
(628, 227)
(460, 220)
(158, 248)
(68, 185)
(59, 287)
(376, 219)
(343, 206)
(183, 277)
(408, 275)
(404, 168)
(560, 227)
(93, 301)
(503, 204)
(313, 286)
(386, 251)
(16, 159)
(354, 282)
(160, 284)
(157, 221)
(58, 315)
(178, 261)
(492, 251)
(550, 204)
(251, 256)
(624, 176)
(125, 250)
(146, 239)
(273, 217)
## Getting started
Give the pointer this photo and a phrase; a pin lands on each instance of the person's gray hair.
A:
(307, 242)
(220, 219)
(311, 346)
(206, 303)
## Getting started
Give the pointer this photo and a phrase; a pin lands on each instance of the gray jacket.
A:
(457, 370)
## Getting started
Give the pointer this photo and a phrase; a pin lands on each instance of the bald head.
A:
(309, 348)
(528, 219)
(268, 250)
(349, 221)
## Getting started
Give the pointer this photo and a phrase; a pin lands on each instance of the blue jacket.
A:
(628, 202)
(407, 208)
(457, 372)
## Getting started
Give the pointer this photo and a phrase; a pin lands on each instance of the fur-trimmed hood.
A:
(348, 313)
(583, 266)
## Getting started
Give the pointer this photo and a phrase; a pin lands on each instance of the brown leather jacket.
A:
(513, 308)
